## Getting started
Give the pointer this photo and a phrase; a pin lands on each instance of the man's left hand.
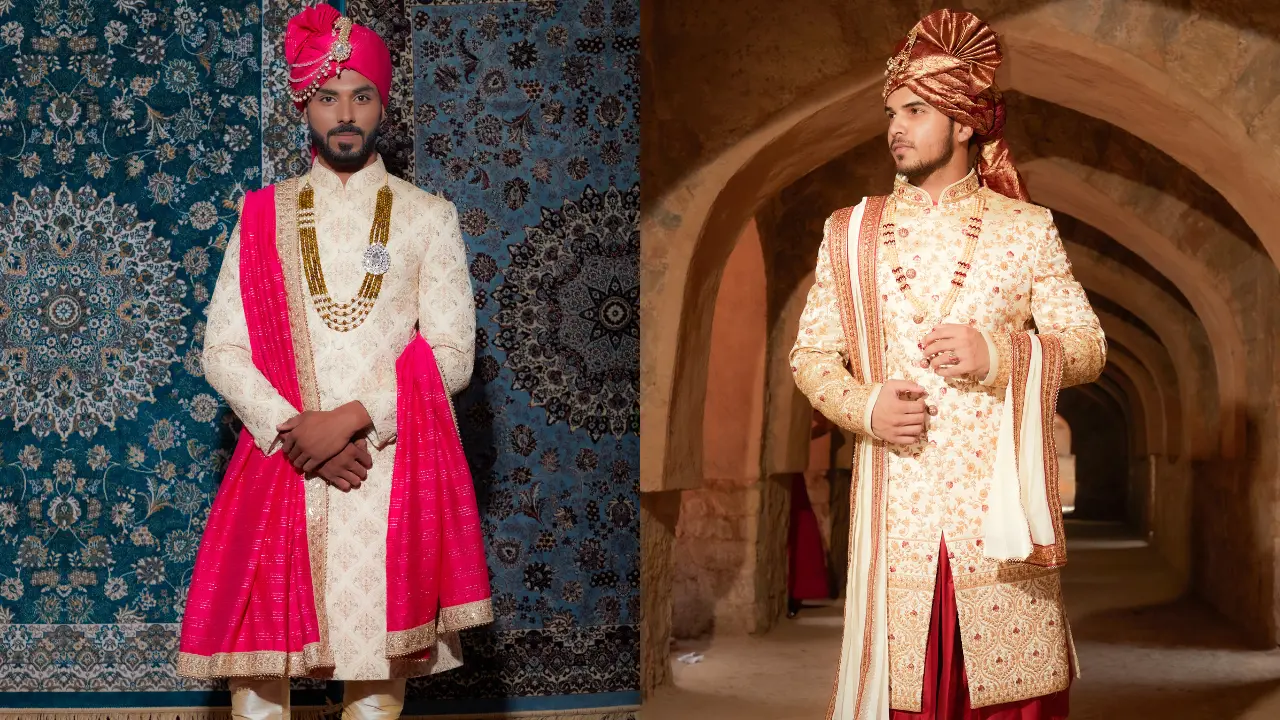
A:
(956, 351)
(314, 437)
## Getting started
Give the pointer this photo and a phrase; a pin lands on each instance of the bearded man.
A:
(920, 338)
(344, 541)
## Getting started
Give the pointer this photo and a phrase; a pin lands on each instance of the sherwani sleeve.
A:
(446, 305)
(228, 358)
(446, 319)
(819, 360)
(1061, 312)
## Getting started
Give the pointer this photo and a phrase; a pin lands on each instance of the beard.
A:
(925, 166)
(350, 160)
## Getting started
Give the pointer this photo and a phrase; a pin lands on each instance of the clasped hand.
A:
(326, 443)
(955, 351)
(901, 414)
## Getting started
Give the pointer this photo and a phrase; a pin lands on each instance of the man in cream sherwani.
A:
(917, 337)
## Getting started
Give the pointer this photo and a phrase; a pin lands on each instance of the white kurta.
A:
(427, 286)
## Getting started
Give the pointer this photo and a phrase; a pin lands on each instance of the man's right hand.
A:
(900, 415)
(349, 467)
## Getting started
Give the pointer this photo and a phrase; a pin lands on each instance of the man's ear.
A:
(963, 133)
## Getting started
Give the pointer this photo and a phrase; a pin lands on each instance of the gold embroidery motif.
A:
(462, 617)
(867, 256)
(411, 641)
(1051, 555)
(954, 193)
(263, 663)
(909, 617)
(1014, 639)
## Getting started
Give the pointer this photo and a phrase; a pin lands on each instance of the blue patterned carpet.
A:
(130, 129)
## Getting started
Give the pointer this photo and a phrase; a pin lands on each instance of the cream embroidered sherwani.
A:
(1015, 638)
(428, 287)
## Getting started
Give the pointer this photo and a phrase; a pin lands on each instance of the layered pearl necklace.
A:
(888, 235)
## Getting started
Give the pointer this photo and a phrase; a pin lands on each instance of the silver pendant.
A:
(377, 261)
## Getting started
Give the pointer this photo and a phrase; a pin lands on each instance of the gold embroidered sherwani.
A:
(427, 286)
(1015, 638)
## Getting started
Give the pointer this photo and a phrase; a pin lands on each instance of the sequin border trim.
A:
(288, 245)
(261, 663)
(468, 615)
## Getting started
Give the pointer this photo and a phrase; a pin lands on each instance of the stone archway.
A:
(1167, 375)
(1179, 331)
(1151, 396)
(681, 252)
(716, 537)
(686, 228)
(1061, 188)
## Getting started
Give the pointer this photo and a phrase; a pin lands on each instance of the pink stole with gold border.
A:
(255, 605)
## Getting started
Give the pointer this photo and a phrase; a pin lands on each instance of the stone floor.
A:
(1145, 652)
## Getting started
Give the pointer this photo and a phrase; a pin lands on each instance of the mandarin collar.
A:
(366, 180)
(906, 192)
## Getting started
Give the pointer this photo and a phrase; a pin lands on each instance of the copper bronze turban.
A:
(949, 60)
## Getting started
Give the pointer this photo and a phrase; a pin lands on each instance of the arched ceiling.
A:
(758, 106)
(718, 69)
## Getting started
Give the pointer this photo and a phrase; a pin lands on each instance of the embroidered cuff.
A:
(263, 427)
(993, 359)
(1000, 352)
(381, 407)
(871, 405)
(1084, 353)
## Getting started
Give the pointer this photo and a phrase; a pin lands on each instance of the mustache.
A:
(345, 129)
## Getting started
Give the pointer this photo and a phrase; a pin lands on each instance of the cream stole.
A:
(862, 682)
(1018, 514)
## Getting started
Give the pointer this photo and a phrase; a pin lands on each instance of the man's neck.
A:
(938, 181)
(345, 174)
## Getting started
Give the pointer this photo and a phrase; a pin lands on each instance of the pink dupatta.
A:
(251, 607)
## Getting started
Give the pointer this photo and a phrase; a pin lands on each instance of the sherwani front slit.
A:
(1014, 641)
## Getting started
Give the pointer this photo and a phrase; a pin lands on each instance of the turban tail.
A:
(949, 59)
(320, 42)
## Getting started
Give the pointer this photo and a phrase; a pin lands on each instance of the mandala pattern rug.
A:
(131, 129)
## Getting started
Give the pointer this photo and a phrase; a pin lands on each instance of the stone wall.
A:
(659, 515)
(715, 550)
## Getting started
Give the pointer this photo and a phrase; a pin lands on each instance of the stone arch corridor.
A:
(1151, 129)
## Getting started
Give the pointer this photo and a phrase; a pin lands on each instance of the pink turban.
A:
(320, 43)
